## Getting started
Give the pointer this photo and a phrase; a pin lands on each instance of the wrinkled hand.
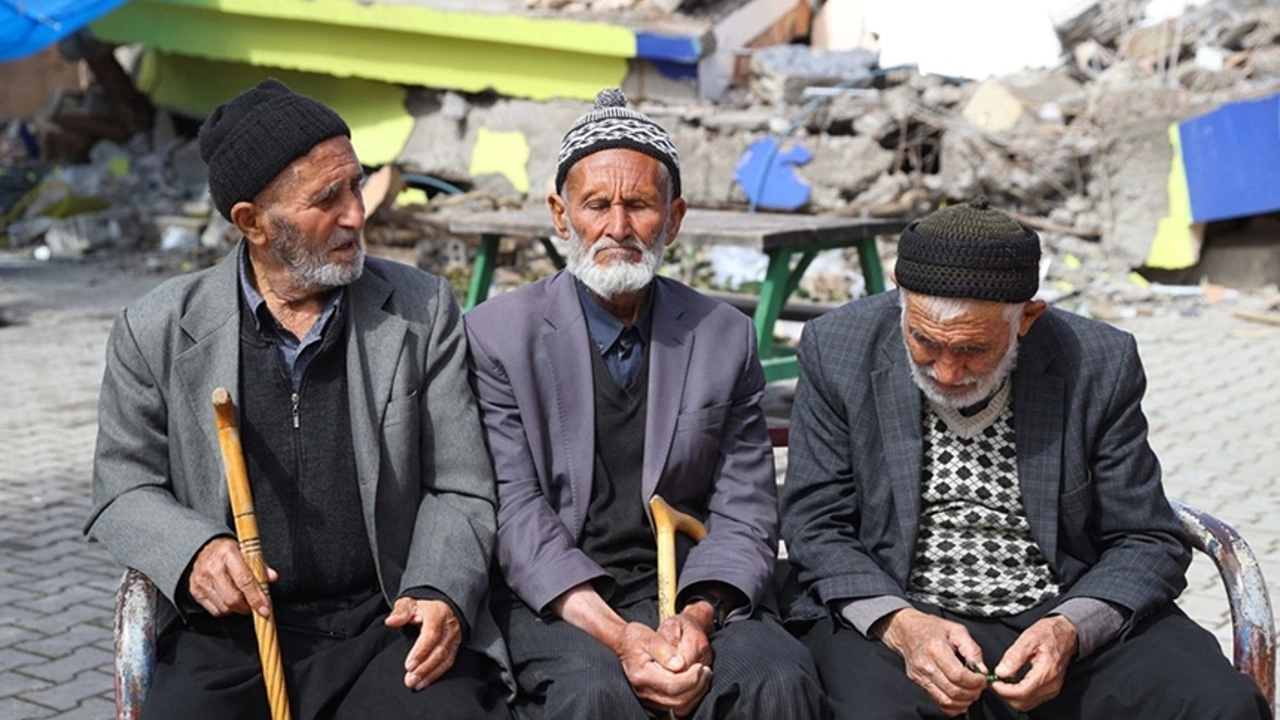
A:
(930, 646)
(689, 632)
(439, 637)
(222, 582)
(659, 673)
(1048, 646)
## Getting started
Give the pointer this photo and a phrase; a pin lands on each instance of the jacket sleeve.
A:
(453, 535)
(741, 546)
(133, 496)
(821, 503)
(1143, 554)
(536, 552)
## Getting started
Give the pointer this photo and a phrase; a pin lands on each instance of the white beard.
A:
(618, 277)
(308, 268)
(981, 387)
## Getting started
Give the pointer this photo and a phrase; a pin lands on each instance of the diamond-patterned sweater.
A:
(974, 553)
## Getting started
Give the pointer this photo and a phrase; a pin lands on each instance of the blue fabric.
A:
(29, 26)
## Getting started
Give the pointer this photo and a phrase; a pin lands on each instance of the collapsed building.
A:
(1099, 142)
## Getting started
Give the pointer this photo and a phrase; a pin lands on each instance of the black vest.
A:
(617, 533)
(302, 469)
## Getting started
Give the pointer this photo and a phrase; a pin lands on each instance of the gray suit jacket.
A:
(706, 452)
(426, 488)
(1090, 483)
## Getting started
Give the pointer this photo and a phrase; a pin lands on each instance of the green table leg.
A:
(482, 273)
(550, 247)
(869, 259)
(773, 295)
(793, 281)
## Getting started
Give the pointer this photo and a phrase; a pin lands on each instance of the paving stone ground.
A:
(1213, 402)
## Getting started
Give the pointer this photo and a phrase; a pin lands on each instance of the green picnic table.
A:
(791, 242)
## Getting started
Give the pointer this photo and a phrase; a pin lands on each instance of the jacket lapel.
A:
(568, 349)
(898, 409)
(1038, 402)
(670, 347)
(212, 322)
(374, 345)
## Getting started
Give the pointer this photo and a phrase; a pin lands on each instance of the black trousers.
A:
(759, 671)
(1167, 668)
(340, 663)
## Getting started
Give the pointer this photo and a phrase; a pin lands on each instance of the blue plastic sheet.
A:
(29, 26)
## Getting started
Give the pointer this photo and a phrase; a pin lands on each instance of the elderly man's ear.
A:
(678, 208)
(252, 222)
(559, 214)
(1030, 312)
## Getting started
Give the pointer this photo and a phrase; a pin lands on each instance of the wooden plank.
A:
(760, 231)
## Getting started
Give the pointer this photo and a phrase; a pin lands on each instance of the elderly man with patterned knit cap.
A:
(603, 386)
(975, 521)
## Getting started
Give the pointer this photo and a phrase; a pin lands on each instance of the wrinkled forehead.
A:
(617, 166)
(953, 320)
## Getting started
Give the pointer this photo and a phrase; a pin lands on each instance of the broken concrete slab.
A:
(781, 73)
(993, 108)
(842, 168)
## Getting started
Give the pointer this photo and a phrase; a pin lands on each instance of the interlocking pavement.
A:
(1213, 402)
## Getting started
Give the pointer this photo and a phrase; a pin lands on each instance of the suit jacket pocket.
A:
(400, 409)
(711, 417)
(1077, 502)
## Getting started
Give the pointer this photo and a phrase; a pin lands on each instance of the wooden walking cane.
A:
(224, 411)
(667, 521)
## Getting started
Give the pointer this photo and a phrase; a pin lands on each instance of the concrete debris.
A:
(780, 74)
(1079, 152)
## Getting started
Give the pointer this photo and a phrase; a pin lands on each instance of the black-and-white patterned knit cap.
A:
(611, 124)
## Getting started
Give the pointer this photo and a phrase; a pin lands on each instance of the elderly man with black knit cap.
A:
(374, 499)
(974, 519)
(603, 386)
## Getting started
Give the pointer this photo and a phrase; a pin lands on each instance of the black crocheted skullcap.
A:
(611, 124)
(969, 251)
(252, 137)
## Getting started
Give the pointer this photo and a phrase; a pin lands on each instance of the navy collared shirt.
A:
(295, 354)
(620, 346)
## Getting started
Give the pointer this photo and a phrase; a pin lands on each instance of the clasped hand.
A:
(670, 668)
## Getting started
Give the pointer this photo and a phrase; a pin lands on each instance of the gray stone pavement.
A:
(1213, 401)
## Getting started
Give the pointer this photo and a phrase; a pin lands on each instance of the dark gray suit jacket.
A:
(1090, 482)
(706, 452)
(426, 489)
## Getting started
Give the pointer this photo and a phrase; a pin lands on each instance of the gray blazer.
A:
(426, 488)
(1090, 483)
(706, 452)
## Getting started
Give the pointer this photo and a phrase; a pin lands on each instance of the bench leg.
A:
(552, 252)
(780, 281)
(482, 273)
(869, 259)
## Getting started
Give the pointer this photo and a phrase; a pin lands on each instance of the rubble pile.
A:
(126, 197)
(1079, 152)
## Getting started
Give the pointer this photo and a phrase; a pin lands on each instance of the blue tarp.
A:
(29, 26)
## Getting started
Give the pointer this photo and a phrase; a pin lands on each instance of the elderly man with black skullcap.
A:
(974, 519)
(374, 499)
(601, 387)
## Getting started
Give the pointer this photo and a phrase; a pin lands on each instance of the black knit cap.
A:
(969, 251)
(252, 137)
